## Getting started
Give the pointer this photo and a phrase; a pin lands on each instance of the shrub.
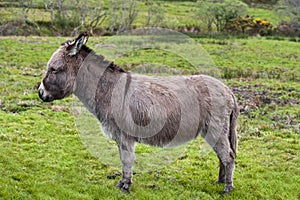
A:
(289, 28)
(249, 25)
(262, 27)
(218, 13)
(239, 25)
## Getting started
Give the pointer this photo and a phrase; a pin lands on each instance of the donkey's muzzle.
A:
(44, 95)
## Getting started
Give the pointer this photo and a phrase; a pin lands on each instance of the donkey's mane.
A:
(111, 66)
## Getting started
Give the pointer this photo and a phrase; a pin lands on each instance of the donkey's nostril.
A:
(44, 96)
(48, 98)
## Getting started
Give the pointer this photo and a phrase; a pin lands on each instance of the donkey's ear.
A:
(75, 46)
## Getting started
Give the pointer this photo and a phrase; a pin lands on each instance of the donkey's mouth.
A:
(44, 95)
(45, 98)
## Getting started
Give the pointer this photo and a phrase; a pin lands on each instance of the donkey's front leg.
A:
(126, 146)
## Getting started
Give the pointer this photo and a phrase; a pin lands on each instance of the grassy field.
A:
(42, 155)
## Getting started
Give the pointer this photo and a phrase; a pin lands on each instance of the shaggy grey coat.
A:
(158, 111)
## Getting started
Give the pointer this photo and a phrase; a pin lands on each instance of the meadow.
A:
(42, 155)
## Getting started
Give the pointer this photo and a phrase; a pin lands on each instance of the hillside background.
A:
(68, 17)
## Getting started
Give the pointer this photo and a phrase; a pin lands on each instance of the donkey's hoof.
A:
(124, 185)
(227, 190)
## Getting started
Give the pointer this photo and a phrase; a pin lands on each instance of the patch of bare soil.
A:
(251, 98)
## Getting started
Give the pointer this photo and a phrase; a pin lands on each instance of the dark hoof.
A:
(124, 185)
(227, 190)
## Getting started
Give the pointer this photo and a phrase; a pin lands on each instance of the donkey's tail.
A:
(233, 138)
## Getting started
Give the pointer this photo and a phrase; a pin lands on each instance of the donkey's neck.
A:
(94, 79)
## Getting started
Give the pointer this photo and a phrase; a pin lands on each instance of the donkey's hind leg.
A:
(221, 178)
(229, 170)
(226, 157)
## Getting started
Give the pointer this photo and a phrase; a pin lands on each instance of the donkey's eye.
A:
(53, 70)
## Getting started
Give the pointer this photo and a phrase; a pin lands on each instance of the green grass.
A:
(42, 155)
(255, 57)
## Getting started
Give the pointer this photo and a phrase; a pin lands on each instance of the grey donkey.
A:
(159, 111)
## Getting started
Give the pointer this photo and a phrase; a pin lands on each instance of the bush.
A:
(289, 28)
(249, 25)
(239, 25)
(19, 28)
(262, 27)
(218, 13)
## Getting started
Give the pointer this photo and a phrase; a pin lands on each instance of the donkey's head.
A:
(62, 69)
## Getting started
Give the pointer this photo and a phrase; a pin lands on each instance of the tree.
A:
(25, 5)
(74, 16)
(91, 18)
(220, 12)
(155, 13)
(206, 13)
(122, 14)
(61, 14)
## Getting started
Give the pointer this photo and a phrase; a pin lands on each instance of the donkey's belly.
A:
(167, 140)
